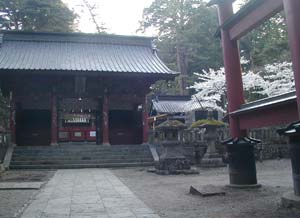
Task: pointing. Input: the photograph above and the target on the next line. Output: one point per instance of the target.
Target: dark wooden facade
(60, 106)
(48, 110)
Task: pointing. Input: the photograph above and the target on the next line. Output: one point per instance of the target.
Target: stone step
(80, 158)
(93, 147)
(81, 154)
(79, 166)
(69, 156)
(37, 162)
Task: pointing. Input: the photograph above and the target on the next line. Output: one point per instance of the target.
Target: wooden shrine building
(71, 87)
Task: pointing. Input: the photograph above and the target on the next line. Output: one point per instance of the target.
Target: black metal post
(241, 161)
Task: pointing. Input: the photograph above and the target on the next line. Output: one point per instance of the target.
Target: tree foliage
(92, 9)
(186, 40)
(273, 79)
(36, 15)
(268, 43)
(188, 24)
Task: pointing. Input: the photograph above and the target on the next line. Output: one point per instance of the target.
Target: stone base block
(290, 200)
(244, 186)
(212, 162)
(176, 172)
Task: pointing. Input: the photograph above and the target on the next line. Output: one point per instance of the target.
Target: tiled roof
(175, 104)
(79, 52)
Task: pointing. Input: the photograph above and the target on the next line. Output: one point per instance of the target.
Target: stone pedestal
(211, 158)
(172, 159)
(241, 161)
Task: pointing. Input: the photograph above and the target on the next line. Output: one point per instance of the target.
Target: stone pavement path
(86, 193)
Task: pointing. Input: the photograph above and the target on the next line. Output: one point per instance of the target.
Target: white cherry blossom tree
(274, 79)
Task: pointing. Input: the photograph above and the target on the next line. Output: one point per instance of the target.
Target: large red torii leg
(292, 9)
(145, 121)
(105, 126)
(242, 169)
(54, 128)
(12, 120)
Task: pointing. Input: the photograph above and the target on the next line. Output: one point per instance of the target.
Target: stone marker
(207, 191)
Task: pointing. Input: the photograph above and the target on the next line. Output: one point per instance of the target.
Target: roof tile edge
(77, 38)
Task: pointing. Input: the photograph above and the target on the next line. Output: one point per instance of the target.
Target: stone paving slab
(87, 193)
(20, 185)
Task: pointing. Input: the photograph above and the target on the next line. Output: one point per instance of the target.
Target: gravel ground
(168, 195)
(12, 202)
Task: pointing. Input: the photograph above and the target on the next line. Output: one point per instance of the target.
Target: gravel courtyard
(168, 195)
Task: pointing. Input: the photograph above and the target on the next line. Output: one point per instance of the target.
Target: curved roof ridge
(77, 38)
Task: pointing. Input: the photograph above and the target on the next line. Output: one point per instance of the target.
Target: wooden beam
(255, 16)
(275, 115)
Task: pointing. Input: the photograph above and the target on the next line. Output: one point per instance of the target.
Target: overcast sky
(119, 16)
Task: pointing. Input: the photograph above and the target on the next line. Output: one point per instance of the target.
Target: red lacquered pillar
(292, 9)
(145, 122)
(240, 149)
(12, 120)
(233, 71)
(54, 129)
(105, 125)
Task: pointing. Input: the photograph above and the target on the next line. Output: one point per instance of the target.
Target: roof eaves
(77, 38)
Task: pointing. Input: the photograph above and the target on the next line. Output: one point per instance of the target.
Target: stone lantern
(172, 159)
(211, 158)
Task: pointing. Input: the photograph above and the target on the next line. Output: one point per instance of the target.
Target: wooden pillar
(54, 128)
(105, 126)
(240, 149)
(292, 9)
(145, 122)
(233, 71)
(12, 119)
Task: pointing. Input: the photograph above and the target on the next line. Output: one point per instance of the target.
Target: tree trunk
(182, 66)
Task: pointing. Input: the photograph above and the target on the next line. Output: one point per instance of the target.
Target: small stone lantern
(211, 157)
(172, 159)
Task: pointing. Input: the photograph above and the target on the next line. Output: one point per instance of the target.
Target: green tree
(186, 35)
(36, 15)
(268, 43)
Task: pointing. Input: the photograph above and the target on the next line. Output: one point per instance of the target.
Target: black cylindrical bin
(241, 161)
(295, 158)
(293, 132)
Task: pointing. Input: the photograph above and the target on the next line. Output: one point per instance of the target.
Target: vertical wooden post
(292, 8)
(54, 129)
(241, 160)
(231, 56)
(12, 119)
(145, 122)
(105, 112)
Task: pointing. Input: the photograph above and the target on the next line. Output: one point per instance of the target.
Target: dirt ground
(26, 176)
(169, 195)
(12, 202)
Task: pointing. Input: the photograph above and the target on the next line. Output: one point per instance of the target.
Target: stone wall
(272, 146)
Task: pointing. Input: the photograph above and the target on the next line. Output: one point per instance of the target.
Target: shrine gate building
(73, 87)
